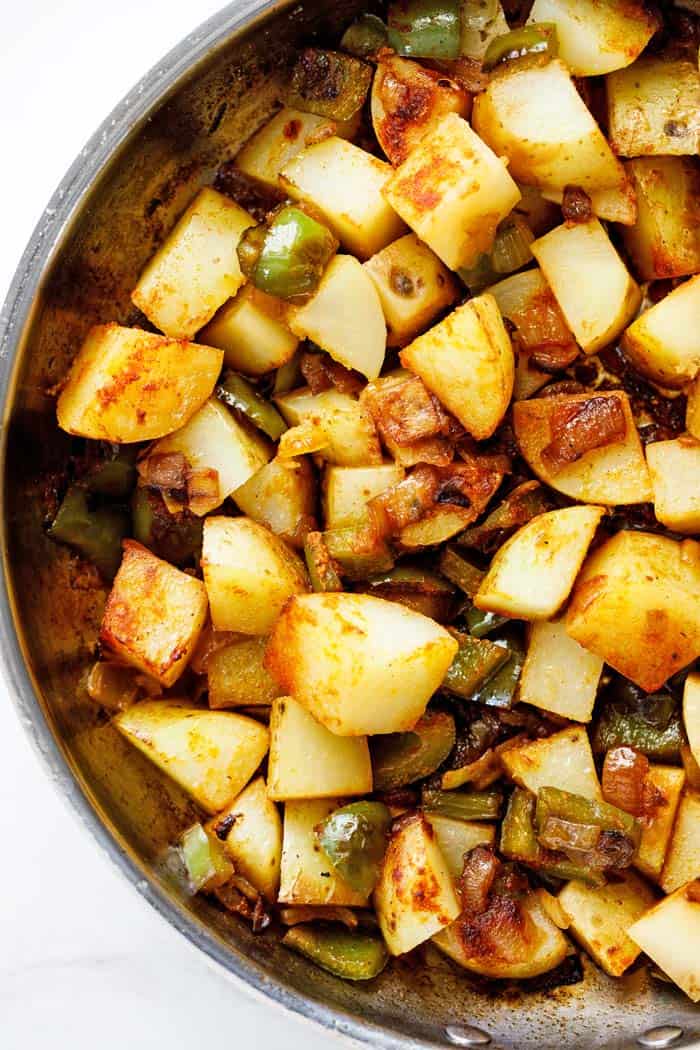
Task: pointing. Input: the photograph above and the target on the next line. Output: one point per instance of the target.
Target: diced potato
(154, 614)
(477, 33)
(359, 664)
(665, 240)
(249, 574)
(467, 361)
(282, 138)
(563, 761)
(196, 270)
(347, 490)
(592, 285)
(211, 754)
(307, 875)
(345, 317)
(544, 947)
(352, 439)
(664, 342)
(345, 183)
(532, 574)
(129, 385)
(691, 713)
(251, 330)
(692, 413)
(683, 856)
(618, 204)
(214, 439)
(657, 831)
(611, 475)
(654, 108)
(237, 677)
(308, 761)
(559, 675)
(415, 896)
(597, 38)
(413, 287)
(438, 525)
(457, 837)
(453, 191)
(282, 496)
(600, 917)
(535, 117)
(255, 839)
(670, 935)
(635, 605)
(407, 101)
(675, 476)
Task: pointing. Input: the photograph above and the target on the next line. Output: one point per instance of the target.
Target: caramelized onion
(692, 891)
(479, 870)
(624, 773)
(405, 412)
(165, 471)
(581, 426)
(576, 205)
(406, 502)
(558, 834)
(321, 373)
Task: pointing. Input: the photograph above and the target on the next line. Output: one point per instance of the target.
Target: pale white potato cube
(196, 270)
(347, 491)
(345, 317)
(211, 754)
(345, 183)
(563, 761)
(532, 574)
(683, 856)
(592, 285)
(453, 191)
(249, 574)
(251, 331)
(307, 875)
(654, 108)
(600, 917)
(457, 837)
(467, 361)
(675, 476)
(559, 675)
(669, 934)
(282, 496)
(308, 761)
(129, 385)
(691, 713)
(351, 437)
(359, 664)
(658, 828)
(664, 342)
(415, 896)
(255, 839)
(597, 37)
(154, 614)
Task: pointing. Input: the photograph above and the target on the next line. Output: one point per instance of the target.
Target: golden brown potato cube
(251, 331)
(413, 286)
(598, 37)
(683, 856)
(658, 828)
(559, 675)
(654, 108)
(670, 935)
(348, 490)
(237, 677)
(664, 342)
(282, 496)
(196, 270)
(665, 239)
(130, 385)
(307, 876)
(453, 191)
(635, 604)
(154, 614)
(563, 761)
(675, 475)
(255, 839)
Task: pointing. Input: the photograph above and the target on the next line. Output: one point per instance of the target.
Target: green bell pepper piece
(116, 475)
(322, 572)
(425, 28)
(291, 257)
(463, 805)
(476, 661)
(460, 571)
(365, 37)
(499, 690)
(328, 83)
(359, 551)
(354, 839)
(238, 393)
(350, 955)
(204, 859)
(653, 727)
(95, 534)
(538, 40)
(402, 758)
(481, 623)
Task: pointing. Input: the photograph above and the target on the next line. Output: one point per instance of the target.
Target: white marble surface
(84, 962)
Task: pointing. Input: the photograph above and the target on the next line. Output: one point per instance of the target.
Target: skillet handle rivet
(467, 1035)
(658, 1038)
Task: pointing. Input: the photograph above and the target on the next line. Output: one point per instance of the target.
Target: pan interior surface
(123, 195)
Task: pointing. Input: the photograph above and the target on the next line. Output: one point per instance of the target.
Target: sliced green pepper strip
(288, 376)
(116, 475)
(481, 623)
(95, 534)
(553, 802)
(359, 551)
(322, 572)
(460, 571)
(204, 859)
(463, 805)
(476, 661)
(293, 256)
(499, 690)
(328, 83)
(365, 37)
(351, 955)
(412, 578)
(538, 40)
(354, 838)
(402, 758)
(425, 28)
(176, 538)
(660, 739)
(480, 275)
(238, 393)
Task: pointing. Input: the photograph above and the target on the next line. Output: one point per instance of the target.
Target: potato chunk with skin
(535, 117)
(129, 385)
(359, 664)
(154, 614)
(281, 496)
(345, 184)
(592, 285)
(611, 475)
(600, 917)
(675, 475)
(635, 605)
(691, 713)
(196, 270)
(307, 875)
(308, 761)
(255, 839)
(683, 857)
(413, 287)
(669, 934)
(467, 361)
(654, 108)
(664, 342)
(665, 239)
(532, 574)
(251, 331)
(453, 191)
(211, 754)
(563, 761)
(415, 896)
(249, 574)
(559, 675)
(347, 491)
(352, 439)
(658, 828)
